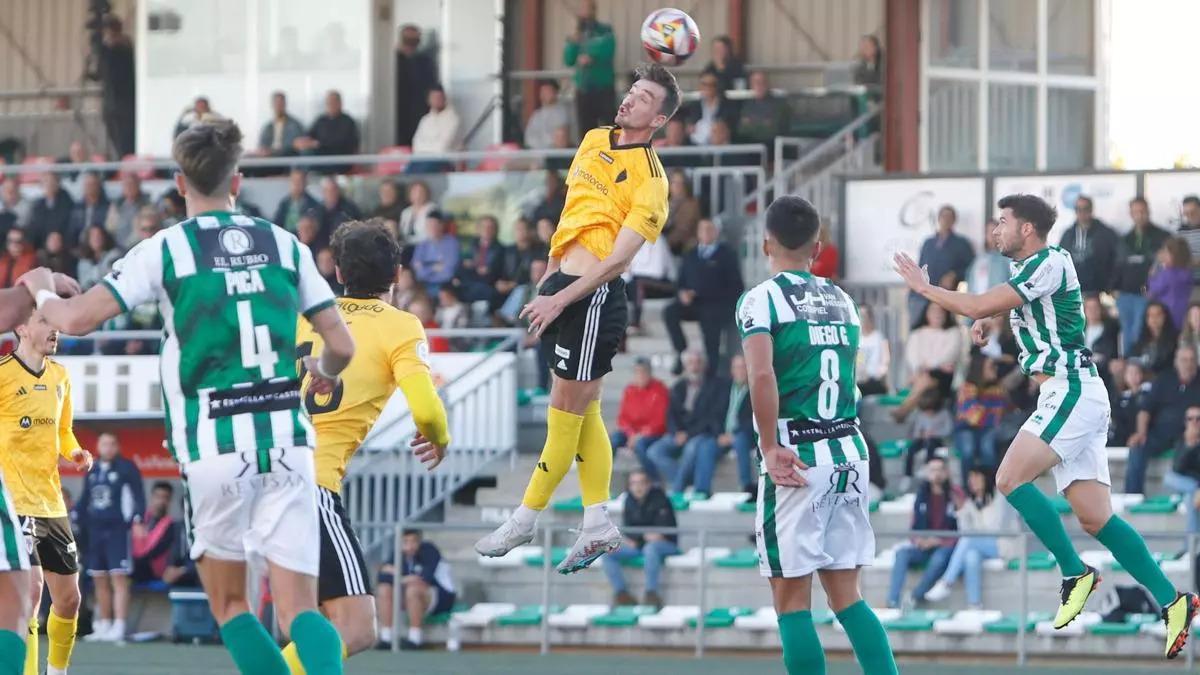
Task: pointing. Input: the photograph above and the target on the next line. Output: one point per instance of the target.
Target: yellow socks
(31, 647)
(292, 657)
(60, 636)
(595, 457)
(562, 440)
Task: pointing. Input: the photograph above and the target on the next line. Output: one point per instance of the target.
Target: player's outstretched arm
(81, 314)
(433, 428)
(989, 303)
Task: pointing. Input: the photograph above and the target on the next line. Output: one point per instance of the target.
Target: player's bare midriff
(577, 260)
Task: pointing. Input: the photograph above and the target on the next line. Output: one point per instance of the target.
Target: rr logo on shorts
(843, 478)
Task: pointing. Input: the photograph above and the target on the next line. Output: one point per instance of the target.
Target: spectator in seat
(412, 218)
(651, 274)
(422, 308)
(552, 204)
(426, 584)
(710, 281)
(278, 136)
(390, 207)
(416, 74)
(435, 260)
(1171, 280)
(152, 549)
(868, 66)
(1160, 422)
(406, 290)
(934, 350)
(935, 509)
(827, 260)
(1136, 253)
(725, 65)
(308, 231)
(56, 256)
(200, 111)
(931, 428)
(1093, 247)
(96, 256)
(590, 50)
(51, 212)
(1184, 476)
(874, 360)
(326, 265)
(122, 211)
(642, 418)
(437, 133)
(989, 269)
(738, 430)
(763, 117)
(1189, 228)
(91, 209)
(296, 202)
(335, 208)
(173, 207)
(1128, 400)
(1101, 332)
(562, 141)
(694, 418)
(332, 133)
(645, 506)
(683, 214)
(946, 255)
(675, 135)
(545, 230)
(515, 283)
(14, 208)
(110, 510)
(703, 114)
(549, 116)
(115, 72)
(19, 257)
(452, 312)
(982, 402)
(980, 511)
(1156, 346)
(483, 265)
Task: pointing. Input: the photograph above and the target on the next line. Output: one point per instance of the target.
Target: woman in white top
(874, 356)
(412, 218)
(935, 350)
(980, 512)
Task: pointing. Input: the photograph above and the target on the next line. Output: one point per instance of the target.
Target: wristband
(320, 369)
(44, 295)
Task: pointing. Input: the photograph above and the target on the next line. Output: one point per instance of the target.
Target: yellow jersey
(35, 430)
(610, 186)
(389, 345)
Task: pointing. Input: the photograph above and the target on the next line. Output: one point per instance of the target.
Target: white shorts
(1072, 417)
(244, 506)
(825, 525)
(14, 554)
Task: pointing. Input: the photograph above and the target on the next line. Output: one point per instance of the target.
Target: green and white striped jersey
(814, 327)
(229, 288)
(1049, 327)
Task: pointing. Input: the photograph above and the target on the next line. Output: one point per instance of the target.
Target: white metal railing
(385, 484)
(816, 158)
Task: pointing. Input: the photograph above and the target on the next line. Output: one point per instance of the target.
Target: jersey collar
(37, 374)
(613, 145)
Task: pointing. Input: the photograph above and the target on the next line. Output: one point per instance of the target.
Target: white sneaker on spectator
(591, 544)
(100, 629)
(117, 632)
(503, 539)
(939, 592)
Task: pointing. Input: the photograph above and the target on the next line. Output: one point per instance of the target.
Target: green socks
(1130, 550)
(318, 643)
(802, 652)
(12, 653)
(1040, 516)
(252, 649)
(869, 639)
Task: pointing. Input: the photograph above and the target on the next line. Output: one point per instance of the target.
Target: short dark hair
(1192, 199)
(1087, 199)
(658, 74)
(793, 222)
(1031, 209)
(412, 532)
(367, 255)
(208, 154)
(1139, 200)
(163, 485)
(438, 87)
(553, 84)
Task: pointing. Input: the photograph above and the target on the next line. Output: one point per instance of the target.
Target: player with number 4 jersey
(229, 288)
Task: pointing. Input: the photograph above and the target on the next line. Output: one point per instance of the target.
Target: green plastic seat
(822, 617)
(874, 508)
(1010, 623)
(572, 505)
(624, 616)
(893, 448)
(721, 617)
(892, 400)
(1114, 629)
(635, 561)
(444, 617)
(748, 507)
(741, 558)
(919, 621)
(1158, 504)
(526, 615)
(1038, 562)
(557, 555)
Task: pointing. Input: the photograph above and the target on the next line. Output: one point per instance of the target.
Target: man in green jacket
(590, 50)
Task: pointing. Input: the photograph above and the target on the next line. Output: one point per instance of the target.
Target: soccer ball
(670, 36)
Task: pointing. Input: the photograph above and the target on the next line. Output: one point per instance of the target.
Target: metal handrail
(686, 71)
(810, 157)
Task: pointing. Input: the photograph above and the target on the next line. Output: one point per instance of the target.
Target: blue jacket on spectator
(429, 565)
(113, 495)
(714, 275)
(436, 261)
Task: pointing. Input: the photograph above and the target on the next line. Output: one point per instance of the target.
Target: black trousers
(120, 124)
(594, 108)
(714, 318)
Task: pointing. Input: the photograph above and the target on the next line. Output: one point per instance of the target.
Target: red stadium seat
(139, 165)
(497, 162)
(396, 167)
(33, 175)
